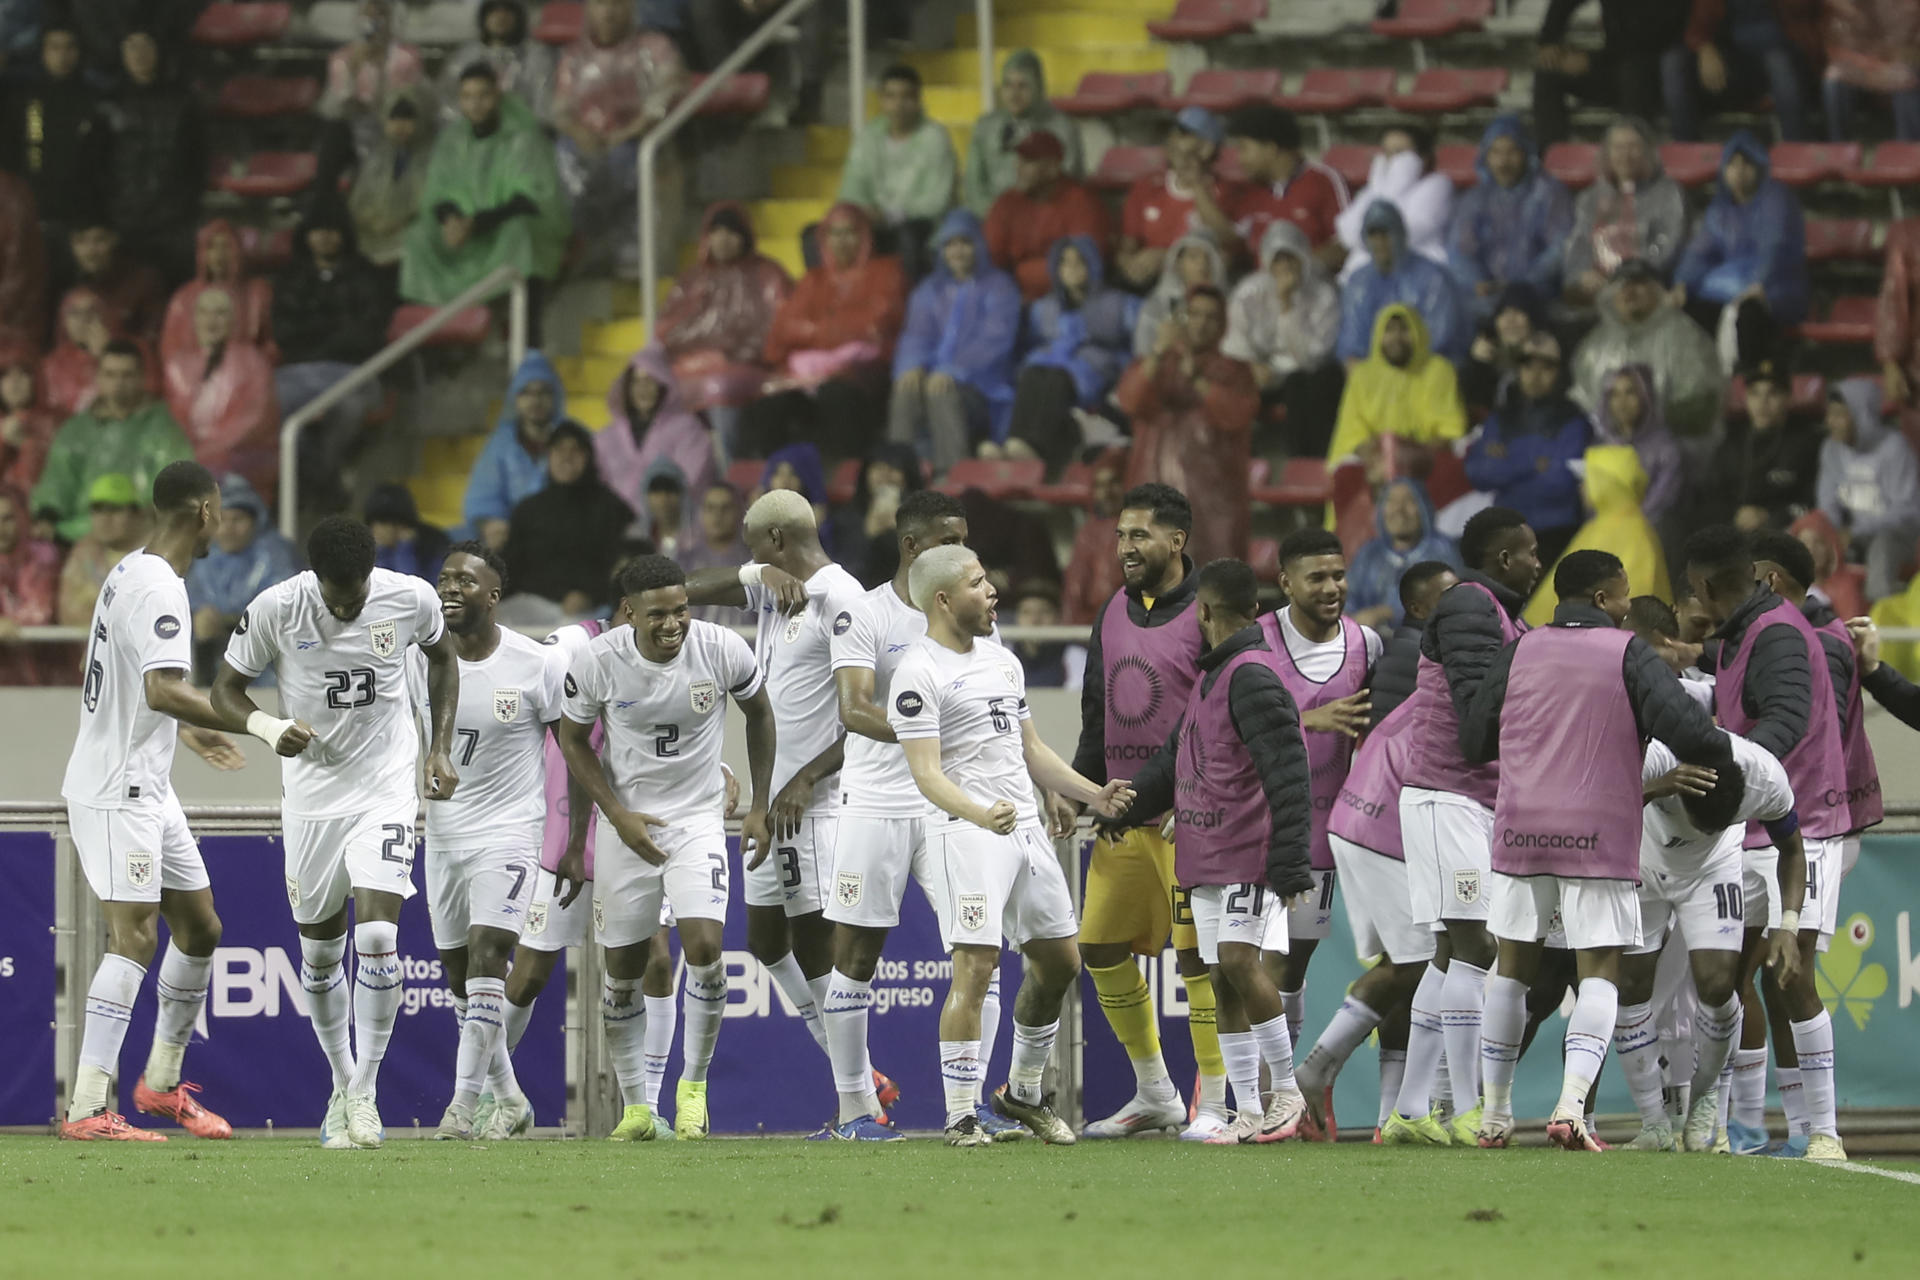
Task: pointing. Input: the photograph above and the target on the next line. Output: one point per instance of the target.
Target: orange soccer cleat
(107, 1126)
(178, 1105)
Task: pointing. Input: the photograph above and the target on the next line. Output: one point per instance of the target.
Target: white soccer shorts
(873, 857)
(1311, 918)
(132, 853)
(491, 887)
(628, 891)
(1708, 907)
(1449, 846)
(329, 858)
(797, 873)
(1825, 859)
(1595, 913)
(1237, 913)
(550, 926)
(1760, 883)
(994, 885)
(1374, 888)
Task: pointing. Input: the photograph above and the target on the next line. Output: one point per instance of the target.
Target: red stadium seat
(1264, 555)
(258, 97)
(1892, 164)
(1455, 159)
(1351, 161)
(1573, 163)
(1303, 483)
(468, 328)
(1835, 239)
(266, 174)
(1691, 164)
(744, 474)
(1225, 89)
(560, 23)
(235, 26)
(1848, 323)
(744, 94)
(1209, 20)
(844, 481)
(1074, 488)
(1806, 164)
(1005, 478)
(1333, 90)
(1121, 167)
(1443, 89)
(1108, 92)
(1431, 19)
(1809, 394)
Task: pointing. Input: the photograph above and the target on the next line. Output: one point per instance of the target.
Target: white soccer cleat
(1205, 1127)
(333, 1129)
(454, 1127)
(1244, 1126)
(1653, 1137)
(364, 1129)
(1283, 1118)
(1822, 1147)
(1569, 1133)
(1702, 1131)
(510, 1118)
(1141, 1115)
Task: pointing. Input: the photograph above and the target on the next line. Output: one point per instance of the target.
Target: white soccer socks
(1749, 1107)
(323, 977)
(1425, 1041)
(1813, 1042)
(623, 1012)
(1274, 1041)
(1462, 1000)
(110, 997)
(1032, 1046)
(663, 1019)
(989, 1022)
(1713, 1031)
(376, 998)
(843, 1016)
(1352, 1023)
(1503, 1025)
(1637, 1042)
(182, 991)
(1242, 1055)
(1295, 1004)
(705, 997)
(481, 1030)
(1596, 1010)
(960, 1077)
(1393, 1070)
(793, 984)
(501, 1080)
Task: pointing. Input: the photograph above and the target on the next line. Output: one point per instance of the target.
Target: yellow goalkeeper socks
(1201, 1025)
(1128, 1003)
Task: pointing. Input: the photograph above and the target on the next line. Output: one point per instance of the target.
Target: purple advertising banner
(254, 1053)
(27, 978)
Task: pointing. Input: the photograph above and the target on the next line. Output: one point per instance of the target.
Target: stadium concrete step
(440, 486)
(777, 220)
(1038, 28)
(1144, 9)
(806, 181)
(1065, 64)
(589, 375)
(619, 338)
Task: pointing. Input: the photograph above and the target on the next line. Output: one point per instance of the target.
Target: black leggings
(842, 417)
(1043, 404)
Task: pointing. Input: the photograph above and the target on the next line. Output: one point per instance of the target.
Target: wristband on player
(1790, 921)
(268, 729)
(751, 574)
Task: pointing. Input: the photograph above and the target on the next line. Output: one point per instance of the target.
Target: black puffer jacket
(339, 314)
(1630, 26)
(1463, 635)
(159, 158)
(1268, 723)
(1661, 708)
(1397, 671)
(1778, 692)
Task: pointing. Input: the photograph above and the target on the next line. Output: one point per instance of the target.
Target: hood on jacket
(1522, 297)
(652, 361)
(534, 367)
(1742, 143)
(1027, 61)
(1171, 287)
(328, 211)
(1506, 126)
(663, 468)
(75, 298)
(1649, 166)
(846, 212)
(736, 216)
(1862, 398)
(805, 460)
(237, 495)
(1615, 482)
(1285, 236)
(18, 353)
(387, 504)
(1419, 495)
(1422, 343)
(219, 228)
(1654, 424)
(1383, 215)
(568, 429)
(960, 223)
(519, 11)
(1089, 253)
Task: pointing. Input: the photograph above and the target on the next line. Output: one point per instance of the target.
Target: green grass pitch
(781, 1208)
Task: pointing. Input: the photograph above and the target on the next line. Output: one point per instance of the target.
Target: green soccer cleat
(690, 1111)
(636, 1125)
(1703, 1123)
(1422, 1131)
(1654, 1137)
(1465, 1129)
(483, 1115)
(1821, 1147)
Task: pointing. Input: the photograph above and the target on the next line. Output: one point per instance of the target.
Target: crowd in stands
(1569, 355)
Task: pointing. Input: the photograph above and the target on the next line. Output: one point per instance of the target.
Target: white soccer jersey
(875, 633)
(665, 721)
(347, 681)
(974, 703)
(499, 743)
(796, 664)
(141, 623)
(1671, 845)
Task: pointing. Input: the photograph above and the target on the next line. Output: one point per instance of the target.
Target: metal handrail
(983, 32)
(1061, 633)
(482, 290)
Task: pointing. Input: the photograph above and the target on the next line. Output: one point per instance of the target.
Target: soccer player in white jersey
(660, 687)
(795, 591)
(483, 845)
(338, 637)
(959, 708)
(132, 840)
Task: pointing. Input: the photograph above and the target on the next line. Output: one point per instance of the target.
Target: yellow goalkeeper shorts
(1131, 896)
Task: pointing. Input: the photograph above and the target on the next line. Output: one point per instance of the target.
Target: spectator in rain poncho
(1526, 454)
(1403, 389)
(1079, 337)
(1396, 274)
(1402, 175)
(646, 420)
(1629, 413)
(1869, 486)
(1639, 325)
(219, 262)
(1405, 536)
(1511, 226)
(220, 391)
(1873, 46)
(1022, 107)
(1613, 487)
(387, 187)
(1283, 320)
(514, 463)
(1194, 260)
(1633, 211)
(27, 423)
(525, 66)
(1749, 252)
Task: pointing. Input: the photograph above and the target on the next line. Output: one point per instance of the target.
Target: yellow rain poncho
(1614, 485)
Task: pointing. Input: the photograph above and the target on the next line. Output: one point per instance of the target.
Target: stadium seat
(1809, 394)
(744, 94)
(1224, 89)
(1351, 161)
(1209, 20)
(1447, 482)
(1333, 90)
(1573, 163)
(1849, 322)
(1431, 19)
(1443, 89)
(744, 474)
(1303, 483)
(1264, 555)
(235, 26)
(266, 251)
(1121, 167)
(1806, 164)
(845, 479)
(259, 97)
(560, 23)
(1109, 92)
(266, 174)
(1074, 488)
(1892, 164)
(1003, 478)
(1455, 159)
(1690, 164)
(467, 328)
(1836, 239)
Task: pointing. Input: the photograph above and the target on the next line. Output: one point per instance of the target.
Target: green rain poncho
(476, 175)
(89, 446)
(990, 158)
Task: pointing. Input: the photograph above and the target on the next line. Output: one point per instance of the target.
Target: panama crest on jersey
(385, 637)
(1466, 886)
(795, 624)
(705, 696)
(506, 705)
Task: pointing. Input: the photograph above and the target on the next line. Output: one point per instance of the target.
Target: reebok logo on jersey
(842, 623)
(166, 626)
(896, 648)
(624, 703)
(909, 703)
(304, 645)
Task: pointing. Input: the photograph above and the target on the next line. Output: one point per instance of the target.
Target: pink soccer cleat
(108, 1126)
(1569, 1133)
(178, 1105)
